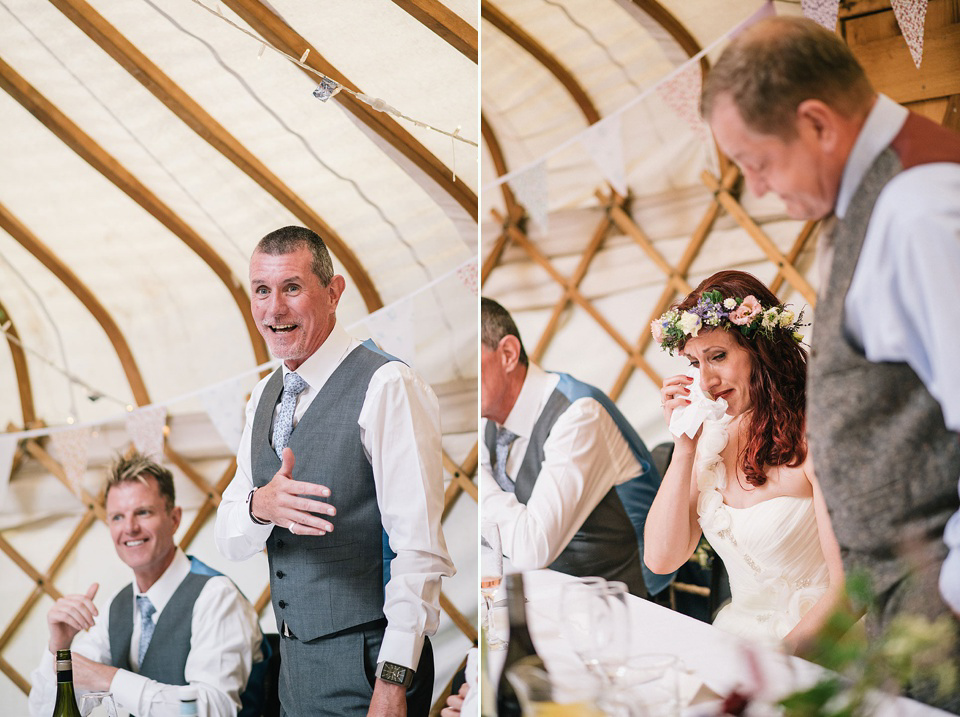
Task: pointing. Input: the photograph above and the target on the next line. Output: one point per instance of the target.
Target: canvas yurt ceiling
(612, 206)
(146, 147)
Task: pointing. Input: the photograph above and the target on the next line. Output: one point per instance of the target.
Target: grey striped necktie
(505, 439)
(146, 610)
(293, 386)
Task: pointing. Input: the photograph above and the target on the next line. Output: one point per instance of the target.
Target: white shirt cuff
(403, 648)
(127, 688)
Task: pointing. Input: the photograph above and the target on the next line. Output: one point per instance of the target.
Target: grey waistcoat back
(322, 585)
(169, 647)
(886, 461)
(605, 544)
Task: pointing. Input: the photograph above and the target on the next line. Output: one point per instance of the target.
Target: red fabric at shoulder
(923, 141)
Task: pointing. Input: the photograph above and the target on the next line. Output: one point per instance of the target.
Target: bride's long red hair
(778, 382)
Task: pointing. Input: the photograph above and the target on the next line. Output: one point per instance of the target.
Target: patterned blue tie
(293, 386)
(505, 439)
(146, 610)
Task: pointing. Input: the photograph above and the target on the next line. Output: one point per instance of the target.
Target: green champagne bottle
(519, 648)
(66, 705)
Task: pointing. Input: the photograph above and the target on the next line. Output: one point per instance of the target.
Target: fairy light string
(374, 102)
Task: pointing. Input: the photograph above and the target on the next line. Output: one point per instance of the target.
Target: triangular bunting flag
(910, 16)
(71, 449)
(681, 93)
(531, 190)
(8, 447)
(604, 143)
(224, 404)
(468, 276)
(822, 12)
(393, 330)
(145, 428)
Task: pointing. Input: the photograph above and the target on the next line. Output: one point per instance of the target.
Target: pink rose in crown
(746, 312)
(656, 328)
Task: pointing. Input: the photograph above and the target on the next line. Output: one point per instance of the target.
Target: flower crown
(712, 310)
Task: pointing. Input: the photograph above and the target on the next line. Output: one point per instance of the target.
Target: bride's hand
(674, 394)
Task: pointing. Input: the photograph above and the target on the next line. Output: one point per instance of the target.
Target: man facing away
(339, 475)
(789, 103)
(176, 624)
(564, 476)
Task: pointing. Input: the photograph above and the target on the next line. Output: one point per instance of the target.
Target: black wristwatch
(397, 674)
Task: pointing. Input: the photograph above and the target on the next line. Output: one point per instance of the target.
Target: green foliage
(913, 650)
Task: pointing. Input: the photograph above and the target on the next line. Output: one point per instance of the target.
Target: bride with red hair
(746, 481)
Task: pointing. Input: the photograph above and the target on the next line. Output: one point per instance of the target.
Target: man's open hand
(290, 503)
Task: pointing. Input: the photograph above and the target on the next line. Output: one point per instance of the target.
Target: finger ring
(292, 523)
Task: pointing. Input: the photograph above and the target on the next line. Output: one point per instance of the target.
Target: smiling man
(339, 475)
(788, 102)
(177, 623)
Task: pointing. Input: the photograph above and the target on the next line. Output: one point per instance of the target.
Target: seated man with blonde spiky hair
(178, 623)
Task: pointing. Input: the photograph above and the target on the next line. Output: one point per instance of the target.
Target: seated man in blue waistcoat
(340, 477)
(178, 623)
(563, 474)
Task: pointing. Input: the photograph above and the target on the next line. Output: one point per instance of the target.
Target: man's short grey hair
(495, 323)
(137, 467)
(774, 65)
(289, 239)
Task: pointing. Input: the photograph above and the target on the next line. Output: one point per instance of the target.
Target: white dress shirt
(400, 432)
(585, 456)
(903, 299)
(224, 642)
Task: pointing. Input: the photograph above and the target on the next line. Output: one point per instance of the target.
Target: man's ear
(176, 514)
(509, 349)
(336, 288)
(820, 121)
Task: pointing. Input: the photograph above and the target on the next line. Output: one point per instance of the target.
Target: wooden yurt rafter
(98, 158)
(447, 25)
(148, 74)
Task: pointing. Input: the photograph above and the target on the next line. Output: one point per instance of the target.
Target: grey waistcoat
(887, 463)
(169, 647)
(605, 544)
(322, 585)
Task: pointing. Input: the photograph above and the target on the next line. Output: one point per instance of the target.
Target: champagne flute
(612, 627)
(597, 625)
(491, 573)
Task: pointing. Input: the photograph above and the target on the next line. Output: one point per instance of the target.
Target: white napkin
(688, 419)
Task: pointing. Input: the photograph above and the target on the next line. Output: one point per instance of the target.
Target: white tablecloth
(715, 658)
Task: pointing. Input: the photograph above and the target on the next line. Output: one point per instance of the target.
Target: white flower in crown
(729, 304)
(786, 318)
(771, 318)
(690, 323)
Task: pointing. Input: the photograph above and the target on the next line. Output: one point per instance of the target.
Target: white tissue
(688, 419)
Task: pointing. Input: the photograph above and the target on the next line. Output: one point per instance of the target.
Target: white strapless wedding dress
(771, 550)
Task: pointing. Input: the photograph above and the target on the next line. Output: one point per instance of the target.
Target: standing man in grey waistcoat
(179, 622)
(791, 106)
(563, 474)
(339, 476)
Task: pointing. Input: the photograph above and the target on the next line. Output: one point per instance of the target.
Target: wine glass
(578, 601)
(91, 700)
(597, 625)
(491, 573)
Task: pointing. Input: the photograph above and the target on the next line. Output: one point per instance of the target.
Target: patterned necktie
(293, 385)
(146, 610)
(505, 439)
